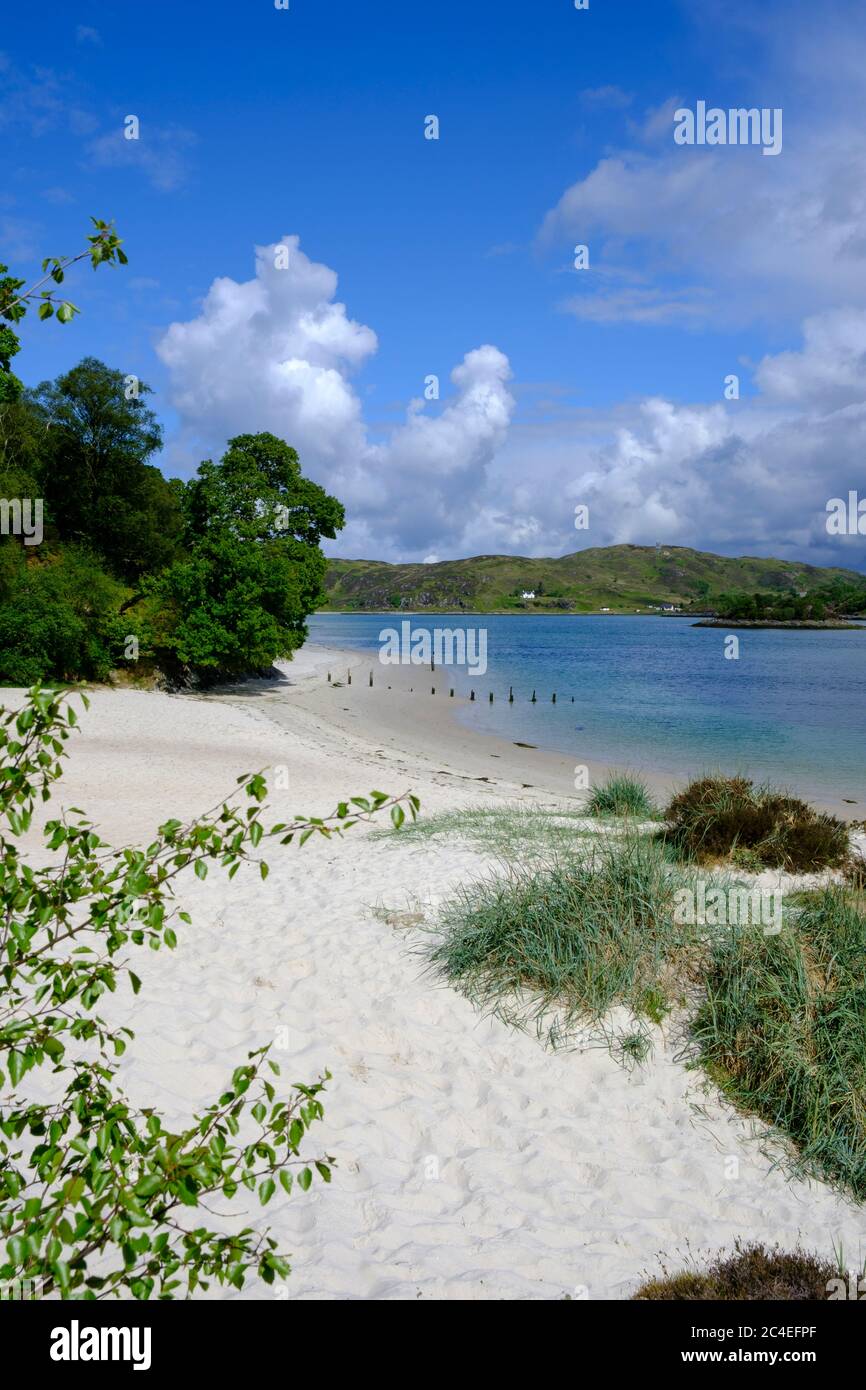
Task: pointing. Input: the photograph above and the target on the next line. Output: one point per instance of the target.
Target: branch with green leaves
(95, 1196)
(104, 246)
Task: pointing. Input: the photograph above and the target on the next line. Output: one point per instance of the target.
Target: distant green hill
(622, 578)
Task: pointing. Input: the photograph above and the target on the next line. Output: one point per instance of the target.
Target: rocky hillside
(622, 578)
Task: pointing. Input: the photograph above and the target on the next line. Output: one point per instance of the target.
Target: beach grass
(509, 831)
(621, 794)
(556, 948)
(782, 1032)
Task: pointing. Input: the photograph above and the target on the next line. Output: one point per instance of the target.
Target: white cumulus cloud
(278, 353)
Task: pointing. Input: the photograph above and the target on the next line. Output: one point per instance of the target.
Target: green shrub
(718, 816)
(58, 617)
(753, 1272)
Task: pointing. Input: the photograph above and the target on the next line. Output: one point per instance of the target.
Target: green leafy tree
(253, 570)
(98, 486)
(22, 436)
(98, 1198)
(10, 386)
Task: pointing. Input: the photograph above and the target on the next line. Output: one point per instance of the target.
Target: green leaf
(74, 1189)
(148, 1186)
(17, 1248)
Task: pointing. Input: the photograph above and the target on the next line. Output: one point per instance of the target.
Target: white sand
(471, 1162)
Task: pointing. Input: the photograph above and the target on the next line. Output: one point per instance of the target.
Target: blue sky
(602, 386)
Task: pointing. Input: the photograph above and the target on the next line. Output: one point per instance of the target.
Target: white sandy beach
(471, 1163)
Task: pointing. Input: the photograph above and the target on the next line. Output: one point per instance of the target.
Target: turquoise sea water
(658, 693)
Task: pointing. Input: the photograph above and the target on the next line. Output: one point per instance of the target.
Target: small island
(833, 607)
(819, 625)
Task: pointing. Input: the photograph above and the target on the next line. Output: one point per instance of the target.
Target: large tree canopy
(253, 569)
(99, 488)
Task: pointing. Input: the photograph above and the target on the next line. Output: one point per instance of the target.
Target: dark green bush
(714, 816)
(753, 1272)
(58, 617)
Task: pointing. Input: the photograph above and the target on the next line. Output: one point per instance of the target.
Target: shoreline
(399, 718)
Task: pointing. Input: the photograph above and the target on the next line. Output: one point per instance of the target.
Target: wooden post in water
(451, 694)
(553, 698)
(511, 695)
(348, 677)
(472, 694)
(532, 701)
(329, 678)
(371, 680)
(432, 690)
(491, 697)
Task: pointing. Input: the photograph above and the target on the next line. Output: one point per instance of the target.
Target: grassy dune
(775, 1017)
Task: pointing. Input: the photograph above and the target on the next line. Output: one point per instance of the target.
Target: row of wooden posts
(533, 701)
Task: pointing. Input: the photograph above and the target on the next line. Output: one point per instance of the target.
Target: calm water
(657, 693)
